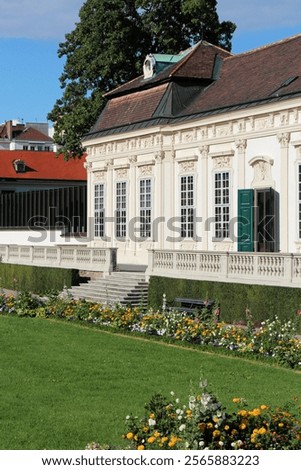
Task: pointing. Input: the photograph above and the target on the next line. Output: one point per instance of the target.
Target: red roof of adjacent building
(41, 166)
(33, 135)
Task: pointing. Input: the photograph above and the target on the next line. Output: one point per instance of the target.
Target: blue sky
(31, 30)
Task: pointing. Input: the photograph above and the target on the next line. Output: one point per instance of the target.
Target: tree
(108, 46)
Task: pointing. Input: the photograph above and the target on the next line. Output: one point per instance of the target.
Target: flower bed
(204, 424)
(273, 339)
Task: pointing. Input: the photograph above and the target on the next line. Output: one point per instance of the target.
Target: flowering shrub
(203, 423)
(273, 339)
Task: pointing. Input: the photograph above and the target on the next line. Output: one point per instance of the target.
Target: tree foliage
(107, 48)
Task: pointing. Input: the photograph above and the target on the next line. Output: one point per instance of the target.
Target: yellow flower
(173, 441)
(129, 435)
(242, 426)
(141, 447)
(209, 425)
(236, 400)
(263, 407)
(242, 413)
(255, 412)
(157, 434)
(151, 439)
(152, 416)
(262, 430)
(226, 428)
(280, 425)
(164, 439)
(216, 433)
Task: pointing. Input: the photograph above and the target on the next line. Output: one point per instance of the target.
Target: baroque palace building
(201, 153)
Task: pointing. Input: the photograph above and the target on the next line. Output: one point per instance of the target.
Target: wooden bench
(192, 307)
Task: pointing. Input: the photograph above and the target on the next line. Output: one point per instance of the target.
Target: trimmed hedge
(36, 279)
(263, 301)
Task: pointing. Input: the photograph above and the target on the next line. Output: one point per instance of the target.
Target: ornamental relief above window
(187, 167)
(99, 175)
(146, 170)
(222, 162)
(262, 167)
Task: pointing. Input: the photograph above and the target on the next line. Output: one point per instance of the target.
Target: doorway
(258, 220)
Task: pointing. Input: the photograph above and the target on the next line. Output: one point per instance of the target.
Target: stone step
(126, 288)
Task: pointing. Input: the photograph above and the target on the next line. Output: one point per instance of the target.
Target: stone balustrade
(71, 257)
(246, 268)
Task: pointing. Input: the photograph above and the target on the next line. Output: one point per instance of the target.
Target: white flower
(151, 422)
(192, 402)
(182, 427)
(201, 443)
(221, 443)
(172, 393)
(177, 400)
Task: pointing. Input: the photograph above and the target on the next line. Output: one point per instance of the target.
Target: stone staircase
(126, 288)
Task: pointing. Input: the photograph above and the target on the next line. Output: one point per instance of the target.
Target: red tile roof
(33, 135)
(41, 166)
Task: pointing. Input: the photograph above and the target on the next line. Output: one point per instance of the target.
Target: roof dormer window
(149, 66)
(19, 166)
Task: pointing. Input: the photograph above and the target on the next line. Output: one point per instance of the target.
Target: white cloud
(38, 19)
(256, 15)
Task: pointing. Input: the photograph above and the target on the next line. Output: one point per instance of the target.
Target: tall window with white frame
(99, 210)
(299, 191)
(121, 209)
(222, 204)
(187, 206)
(145, 207)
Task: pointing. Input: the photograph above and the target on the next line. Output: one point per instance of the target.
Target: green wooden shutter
(245, 220)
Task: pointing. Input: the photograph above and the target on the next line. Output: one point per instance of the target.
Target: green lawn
(63, 385)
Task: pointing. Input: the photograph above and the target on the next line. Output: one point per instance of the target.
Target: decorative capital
(133, 159)
(159, 156)
(204, 150)
(109, 163)
(241, 145)
(88, 166)
(284, 139)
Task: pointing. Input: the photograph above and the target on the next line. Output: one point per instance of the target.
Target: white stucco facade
(256, 147)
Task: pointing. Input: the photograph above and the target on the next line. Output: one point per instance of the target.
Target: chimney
(9, 129)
